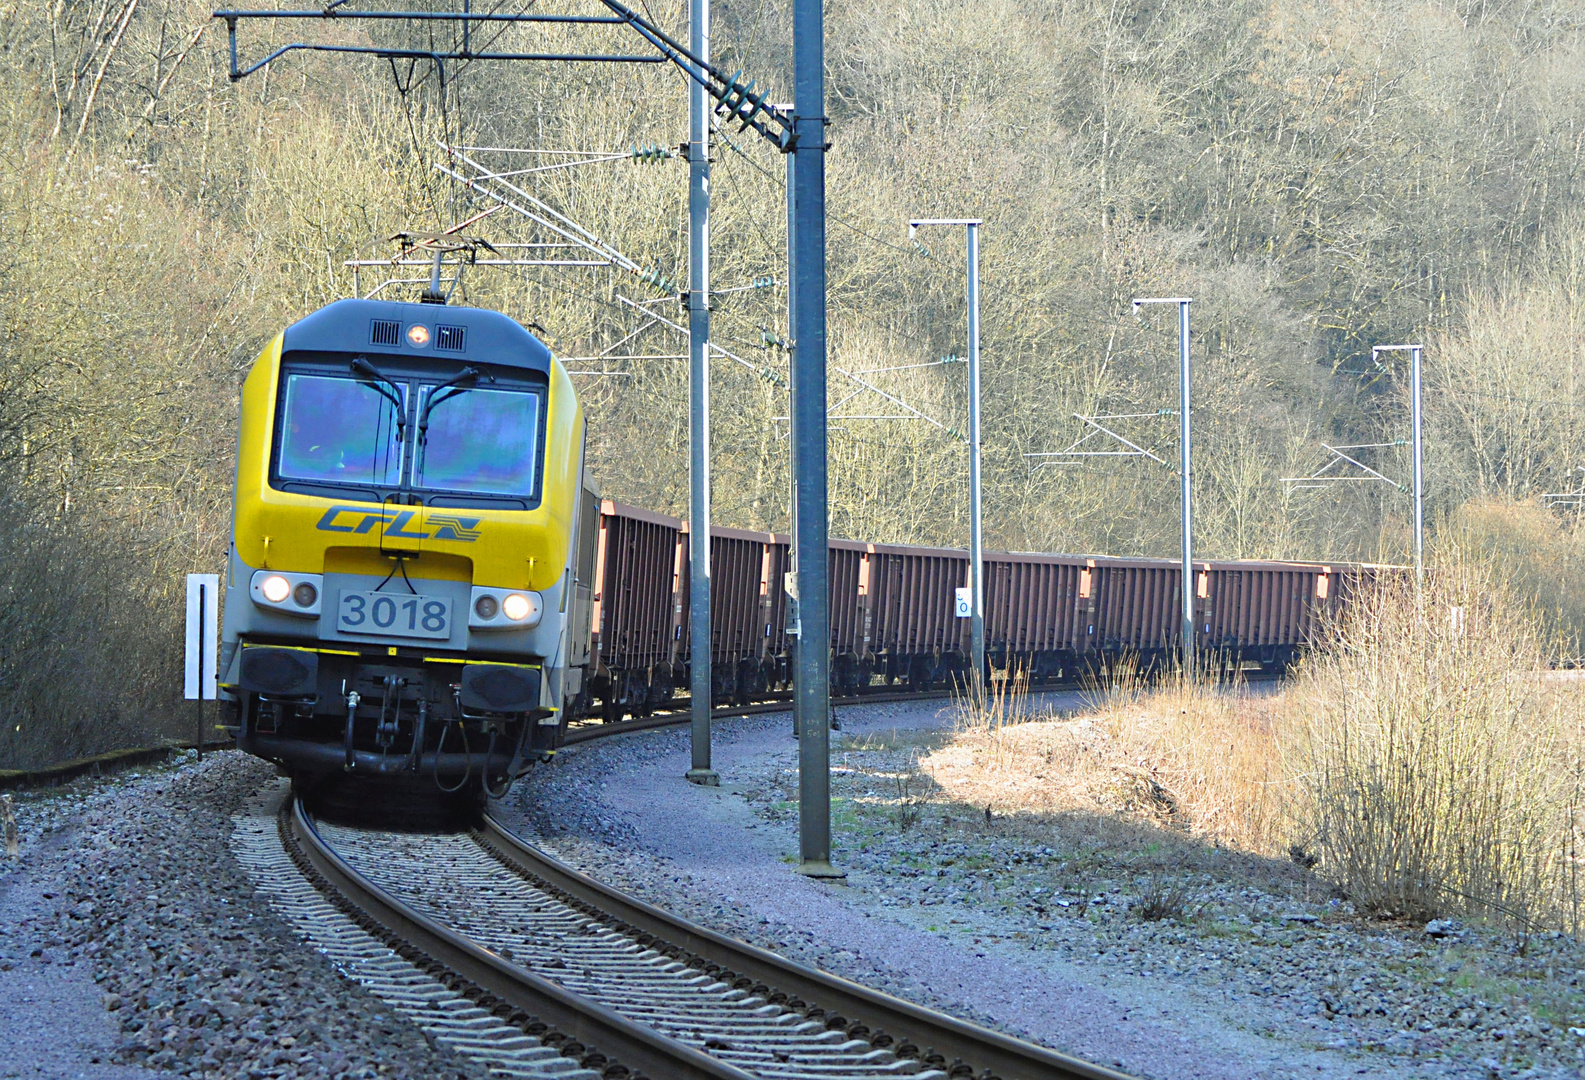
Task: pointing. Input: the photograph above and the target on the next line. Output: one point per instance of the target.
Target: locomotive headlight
(287, 593)
(504, 609)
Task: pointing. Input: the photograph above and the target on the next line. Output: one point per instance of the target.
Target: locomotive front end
(402, 592)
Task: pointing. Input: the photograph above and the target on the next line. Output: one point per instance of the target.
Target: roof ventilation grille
(451, 338)
(385, 332)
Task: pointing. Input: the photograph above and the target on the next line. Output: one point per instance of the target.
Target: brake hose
(467, 755)
(522, 735)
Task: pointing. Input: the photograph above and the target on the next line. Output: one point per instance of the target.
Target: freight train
(1055, 618)
(423, 587)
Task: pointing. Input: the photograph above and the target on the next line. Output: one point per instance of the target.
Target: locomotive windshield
(340, 431)
(376, 432)
(483, 442)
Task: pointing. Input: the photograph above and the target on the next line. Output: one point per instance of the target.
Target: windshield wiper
(469, 374)
(390, 391)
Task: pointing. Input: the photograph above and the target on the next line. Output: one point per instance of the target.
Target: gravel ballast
(158, 954)
(132, 945)
(1255, 968)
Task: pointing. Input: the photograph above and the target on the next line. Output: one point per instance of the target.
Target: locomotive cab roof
(377, 327)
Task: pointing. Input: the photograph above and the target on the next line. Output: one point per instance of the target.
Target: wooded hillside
(1320, 177)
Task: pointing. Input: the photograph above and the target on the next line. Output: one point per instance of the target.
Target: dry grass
(1426, 762)
(1183, 752)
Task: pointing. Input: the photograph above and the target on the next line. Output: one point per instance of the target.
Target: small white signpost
(965, 606)
(200, 680)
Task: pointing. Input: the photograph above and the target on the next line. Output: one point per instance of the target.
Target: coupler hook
(385, 731)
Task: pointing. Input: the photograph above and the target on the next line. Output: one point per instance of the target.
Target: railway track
(502, 952)
(676, 711)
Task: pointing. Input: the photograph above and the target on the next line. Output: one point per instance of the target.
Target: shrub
(1437, 762)
(1533, 554)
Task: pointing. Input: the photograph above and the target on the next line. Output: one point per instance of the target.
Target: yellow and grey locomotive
(405, 597)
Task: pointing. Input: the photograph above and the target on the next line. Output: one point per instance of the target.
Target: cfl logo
(399, 523)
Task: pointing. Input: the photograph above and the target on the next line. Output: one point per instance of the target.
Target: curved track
(676, 712)
(575, 978)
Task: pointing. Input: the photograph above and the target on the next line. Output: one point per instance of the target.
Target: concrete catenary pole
(794, 624)
(1188, 488)
(1185, 463)
(976, 504)
(699, 398)
(1417, 445)
(1419, 466)
(976, 522)
(812, 687)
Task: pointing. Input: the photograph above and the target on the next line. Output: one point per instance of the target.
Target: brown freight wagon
(1243, 610)
(915, 634)
(1138, 608)
(632, 641)
(1262, 613)
(746, 616)
(1039, 613)
(852, 660)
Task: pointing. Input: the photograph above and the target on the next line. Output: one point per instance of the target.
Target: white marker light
(516, 607)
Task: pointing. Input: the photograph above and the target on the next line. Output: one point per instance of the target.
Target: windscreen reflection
(338, 430)
(483, 442)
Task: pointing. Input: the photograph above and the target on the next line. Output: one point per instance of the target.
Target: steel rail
(858, 1009)
(676, 712)
(593, 1030)
(641, 1049)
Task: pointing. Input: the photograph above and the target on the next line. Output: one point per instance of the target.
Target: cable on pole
(766, 374)
(1072, 454)
(1576, 499)
(1338, 456)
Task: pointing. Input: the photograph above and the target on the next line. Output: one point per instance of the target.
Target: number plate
(392, 614)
